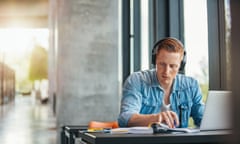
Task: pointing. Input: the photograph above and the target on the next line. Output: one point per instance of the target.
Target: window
(144, 34)
(196, 42)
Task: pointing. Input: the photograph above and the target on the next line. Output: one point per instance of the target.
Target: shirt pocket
(149, 107)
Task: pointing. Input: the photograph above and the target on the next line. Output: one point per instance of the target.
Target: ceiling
(24, 13)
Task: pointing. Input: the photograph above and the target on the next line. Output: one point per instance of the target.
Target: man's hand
(168, 117)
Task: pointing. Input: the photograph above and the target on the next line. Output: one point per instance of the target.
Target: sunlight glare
(16, 43)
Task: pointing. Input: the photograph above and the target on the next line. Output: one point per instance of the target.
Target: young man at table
(162, 94)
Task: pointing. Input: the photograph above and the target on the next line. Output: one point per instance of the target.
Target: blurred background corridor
(26, 115)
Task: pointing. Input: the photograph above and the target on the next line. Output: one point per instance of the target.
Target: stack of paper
(133, 130)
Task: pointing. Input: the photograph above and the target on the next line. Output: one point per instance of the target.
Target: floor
(27, 121)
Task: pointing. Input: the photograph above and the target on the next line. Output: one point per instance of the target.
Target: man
(161, 94)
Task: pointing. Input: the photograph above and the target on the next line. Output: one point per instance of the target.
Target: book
(185, 130)
(160, 128)
(132, 130)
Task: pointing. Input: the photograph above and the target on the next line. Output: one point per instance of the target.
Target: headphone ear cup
(154, 51)
(153, 59)
(183, 62)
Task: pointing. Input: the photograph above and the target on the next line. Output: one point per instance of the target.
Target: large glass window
(17, 47)
(144, 34)
(196, 42)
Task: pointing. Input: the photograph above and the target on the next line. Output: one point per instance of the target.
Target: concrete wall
(84, 37)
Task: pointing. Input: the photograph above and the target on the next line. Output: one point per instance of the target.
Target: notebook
(217, 114)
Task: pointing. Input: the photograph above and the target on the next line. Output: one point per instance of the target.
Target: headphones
(155, 50)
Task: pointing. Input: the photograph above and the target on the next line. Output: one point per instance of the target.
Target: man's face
(167, 65)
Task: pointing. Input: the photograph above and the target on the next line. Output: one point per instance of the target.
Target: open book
(162, 128)
(132, 130)
(155, 128)
(185, 130)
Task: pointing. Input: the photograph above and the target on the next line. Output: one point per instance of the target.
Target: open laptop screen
(217, 114)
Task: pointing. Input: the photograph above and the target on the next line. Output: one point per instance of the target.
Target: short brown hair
(170, 44)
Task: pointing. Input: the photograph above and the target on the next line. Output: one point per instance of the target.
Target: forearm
(168, 117)
(143, 120)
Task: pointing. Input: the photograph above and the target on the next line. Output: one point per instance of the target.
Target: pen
(104, 130)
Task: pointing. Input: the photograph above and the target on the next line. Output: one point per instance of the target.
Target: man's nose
(166, 69)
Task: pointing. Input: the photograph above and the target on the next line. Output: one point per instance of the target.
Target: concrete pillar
(86, 43)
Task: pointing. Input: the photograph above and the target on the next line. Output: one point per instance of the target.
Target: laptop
(217, 113)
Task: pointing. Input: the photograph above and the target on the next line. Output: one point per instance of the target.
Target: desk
(207, 137)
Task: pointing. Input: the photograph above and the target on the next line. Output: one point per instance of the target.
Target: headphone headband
(159, 42)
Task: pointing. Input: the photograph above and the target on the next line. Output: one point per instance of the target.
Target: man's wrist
(158, 117)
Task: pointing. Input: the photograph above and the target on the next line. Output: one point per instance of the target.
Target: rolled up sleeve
(131, 100)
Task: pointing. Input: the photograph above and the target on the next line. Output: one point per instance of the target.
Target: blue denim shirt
(143, 94)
